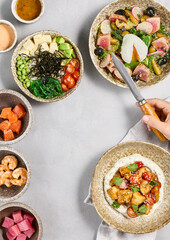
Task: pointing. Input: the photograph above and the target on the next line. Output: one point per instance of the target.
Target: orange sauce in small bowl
(28, 9)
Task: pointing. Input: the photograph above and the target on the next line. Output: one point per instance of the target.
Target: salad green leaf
(116, 34)
(150, 63)
(147, 39)
(117, 181)
(133, 167)
(128, 8)
(131, 65)
(115, 205)
(161, 31)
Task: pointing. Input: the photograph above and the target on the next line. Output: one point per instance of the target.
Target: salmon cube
(19, 111)
(29, 232)
(9, 236)
(8, 222)
(12, 117)
(17, 216)
(22, 236)
(14, 231)
(5, 125)
(24, 225)
(29, 217)
(16, 126)
(8, 135)
(5, 112)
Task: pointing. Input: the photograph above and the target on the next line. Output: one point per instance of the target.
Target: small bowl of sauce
(8, 36)
(27, 11)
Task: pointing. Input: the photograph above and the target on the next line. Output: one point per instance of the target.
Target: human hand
(162, 108)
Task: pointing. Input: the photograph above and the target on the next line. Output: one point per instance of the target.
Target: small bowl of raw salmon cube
(20, 222)
(15, 117)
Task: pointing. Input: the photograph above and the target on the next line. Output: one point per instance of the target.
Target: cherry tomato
(76, 63)
(125, 184)
(68, 80)
(64, 87)
(140, 164)
(70, 68)
(76, 75)
(147, 176)
(131, 213)
(135, 179)
(159, 183)
(150, 199)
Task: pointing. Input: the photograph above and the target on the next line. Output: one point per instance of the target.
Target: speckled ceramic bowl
(8, 209)
(153, 221)
(14, 192)
(10, 98)
(26, 91)
(104, 13)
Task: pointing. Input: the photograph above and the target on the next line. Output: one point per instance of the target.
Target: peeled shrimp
(4, 177)
(19, 176)
(10, 162)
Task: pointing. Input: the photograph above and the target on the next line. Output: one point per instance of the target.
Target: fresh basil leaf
(143, 209)
(115, 205)
(117, 181)
(133, 167)
(153, 183)
(134, 189)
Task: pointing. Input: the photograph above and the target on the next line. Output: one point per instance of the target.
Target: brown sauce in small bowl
(28, 9)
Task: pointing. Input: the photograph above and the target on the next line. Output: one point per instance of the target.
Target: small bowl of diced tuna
(19, 221)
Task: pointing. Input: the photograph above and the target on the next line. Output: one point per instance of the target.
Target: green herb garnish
(131, 65)
(115, 205)
(133, 167)
(103, 55)
(153, 183)
(117, 181)
(139, 210)
(134, 189)
(143, 209)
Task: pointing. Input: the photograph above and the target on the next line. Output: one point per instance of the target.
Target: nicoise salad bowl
(138, 33)
(131, 187)
(47, 66)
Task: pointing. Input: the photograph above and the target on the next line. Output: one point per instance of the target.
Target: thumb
(155, 123)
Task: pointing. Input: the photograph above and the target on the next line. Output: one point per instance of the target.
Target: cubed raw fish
(29, 232)
(29, 217)
(14, 231)
(24, 225)
(8, 222)
(22, 236)
(9, 236)
(17, 216)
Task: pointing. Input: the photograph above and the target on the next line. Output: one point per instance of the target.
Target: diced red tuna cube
(103, 41)
(29, 232)
(24, 225)
(22, 236)
(17, 216)
(29, 217)
(9, 236)
(14, 231)
(8, 222)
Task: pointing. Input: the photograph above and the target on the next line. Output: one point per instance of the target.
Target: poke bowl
(47, 66)
(130, 187)
(15, 174)
(15, 218)
(16, 117)
(138, 33)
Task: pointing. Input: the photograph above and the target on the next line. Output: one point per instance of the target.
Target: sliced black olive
(98, 51)
(135, 78)
(162, 60)
(120, 12)
(150, 11)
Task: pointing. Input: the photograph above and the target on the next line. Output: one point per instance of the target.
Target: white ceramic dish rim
(15, 33)
(29, 107)
(34, 213)
(28, 166)
(13, 4)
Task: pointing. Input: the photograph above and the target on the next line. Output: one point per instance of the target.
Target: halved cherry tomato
(147, 176)
(76, 75)
(68, 80)
(131, 213)
(70, 68)
(150, 199)
(125, 184)
(76, 63)
(140, 164)
(135, 179)
(159, 183)
(64, 87)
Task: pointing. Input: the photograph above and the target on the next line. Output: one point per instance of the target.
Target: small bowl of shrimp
(15, 174)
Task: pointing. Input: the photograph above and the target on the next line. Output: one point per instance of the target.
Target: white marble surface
(68, 137)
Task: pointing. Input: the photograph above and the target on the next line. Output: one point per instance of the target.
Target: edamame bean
(23, 76)
(23, 72)
(28, 70)
(22, 66)
(19, 62)
(24, 85)
(18, 58)
(18, 72)
(27, 84)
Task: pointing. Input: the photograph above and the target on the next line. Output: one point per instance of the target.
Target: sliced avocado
(68, 52)
(59, 40)
(65, 62)
(64, 46)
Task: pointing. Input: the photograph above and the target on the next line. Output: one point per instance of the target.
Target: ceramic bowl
(8, 209)
(15, 33)
(26, 91)
(103, 14)
(14, 192)
(151, 222)
(10, 98)
(13, 9)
